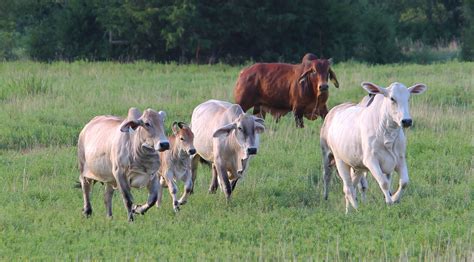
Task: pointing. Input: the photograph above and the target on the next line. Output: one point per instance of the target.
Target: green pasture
(277, 212)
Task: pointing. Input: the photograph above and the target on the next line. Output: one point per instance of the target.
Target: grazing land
(277, 211)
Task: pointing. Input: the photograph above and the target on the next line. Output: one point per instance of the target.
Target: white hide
(369, 138)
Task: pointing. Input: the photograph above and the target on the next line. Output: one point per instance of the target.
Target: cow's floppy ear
(259, 128)
(417, 89)
(225, 130)
(304, 74)
(332, 77)
(372, 88)
(133, 124)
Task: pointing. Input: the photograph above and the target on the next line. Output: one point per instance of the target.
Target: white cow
(369, 138)
(122, 153)
(225, 136)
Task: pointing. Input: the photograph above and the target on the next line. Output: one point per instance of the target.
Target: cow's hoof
(87, 212)
(395, 201)
(137, 209)
(176, 209)
(182, 202)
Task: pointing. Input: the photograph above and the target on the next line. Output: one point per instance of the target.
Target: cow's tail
(81, 159)
(81, 155)
(328, 163)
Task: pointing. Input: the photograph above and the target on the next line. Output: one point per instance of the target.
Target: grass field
(277, 211)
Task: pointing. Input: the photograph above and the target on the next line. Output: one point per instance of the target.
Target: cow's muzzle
(406, 122)
(252, 151)
(163, 146)
(323, 87)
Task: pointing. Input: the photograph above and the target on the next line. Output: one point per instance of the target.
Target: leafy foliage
(208, 31)
(468, 33)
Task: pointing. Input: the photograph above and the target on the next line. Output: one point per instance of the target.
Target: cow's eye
(393, 99)
(240, 128)
(182, 138)
(147, 124)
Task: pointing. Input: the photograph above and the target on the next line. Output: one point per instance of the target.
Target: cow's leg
(108, 194)
(299, 117)
(323, 111)
(213, 185)
(153, 188)
(327, 158)
(277, 118)
(173, 189)
(188, 184)
(86, 185)
(223, 179)
(381, 178)
(349, 191)
(124, 188)
(258, 111)
(194, 167)
(402, 170)
(160, 191)
(233, 183)
(363, 185)
(355, 177)
(247, 103)
(389, 178)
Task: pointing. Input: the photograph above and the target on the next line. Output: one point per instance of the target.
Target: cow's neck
(141, 157)
(179, 157)
(388, 129)
(237, 150)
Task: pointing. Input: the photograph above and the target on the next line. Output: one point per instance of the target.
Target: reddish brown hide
(279, 88)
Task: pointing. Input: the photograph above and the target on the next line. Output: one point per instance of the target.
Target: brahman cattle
(369, 138)
(122, 154)
(226, 137)
(176, 164)
(279, 88)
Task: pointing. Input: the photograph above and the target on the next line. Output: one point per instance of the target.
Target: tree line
(233, 31)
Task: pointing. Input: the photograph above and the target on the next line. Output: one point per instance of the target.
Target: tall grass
(277, 211)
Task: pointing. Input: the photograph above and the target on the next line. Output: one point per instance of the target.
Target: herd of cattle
(356, 138)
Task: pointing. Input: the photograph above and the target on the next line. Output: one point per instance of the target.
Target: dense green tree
(468, 33)
(231, 31)
(377, 36)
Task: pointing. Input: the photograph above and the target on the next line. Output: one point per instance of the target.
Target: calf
(360, 137)
(122, 154)
(226, 137)
(176, 164)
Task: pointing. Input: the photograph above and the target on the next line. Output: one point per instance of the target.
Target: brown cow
(279, 88)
